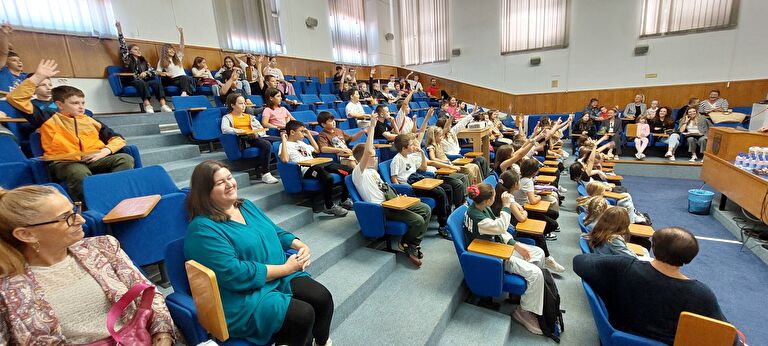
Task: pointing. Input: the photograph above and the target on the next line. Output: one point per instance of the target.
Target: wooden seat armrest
(132, 209)
(493, 249)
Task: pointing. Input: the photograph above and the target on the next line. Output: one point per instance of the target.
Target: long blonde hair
(18, 207)
(593, 189)
(613, 223)
(166, 59)
(432, 133)
(595, 206)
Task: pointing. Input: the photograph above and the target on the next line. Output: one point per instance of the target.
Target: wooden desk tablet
(67, 155)
(462, 161)
(427, 184)
(315, 161)
(551, 157)
(640, 230)
(607, 169)
(614, 195)
(608, 164)
(551, 163)
(636, 249)
(125, 74)
(531, 226)
(472, 154)
(400, 202)
(543, 192)
(196, 109)
(548, 170)
(379, 146)
(132, 209)
(545, 179)
(445, 171)
(540, 207)
(13, 120)
(493, 249)
(613, 177)
(253, 131)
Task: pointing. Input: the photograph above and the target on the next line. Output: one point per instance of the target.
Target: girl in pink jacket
(641, 141)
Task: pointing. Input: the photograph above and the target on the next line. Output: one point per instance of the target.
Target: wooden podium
(742, 187)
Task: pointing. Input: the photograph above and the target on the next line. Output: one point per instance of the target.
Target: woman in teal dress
(265, 295)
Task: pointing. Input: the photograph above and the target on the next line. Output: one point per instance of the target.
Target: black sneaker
(443, 233)
(550, 236)
(412, 253)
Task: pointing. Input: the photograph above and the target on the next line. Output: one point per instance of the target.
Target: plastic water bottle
(739, 162)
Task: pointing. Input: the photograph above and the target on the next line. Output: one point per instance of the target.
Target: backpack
(551, 319)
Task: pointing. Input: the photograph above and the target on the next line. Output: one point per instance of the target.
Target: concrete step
(132, 119)
(473, 325)
(267, 196)
(290, 217)
(331, 239)
(158, 141)
(352, 279)
(412, 306)
(136, 130)
(157, 156)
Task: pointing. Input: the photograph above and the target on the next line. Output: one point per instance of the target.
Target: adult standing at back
(592, 109)
(646, 298)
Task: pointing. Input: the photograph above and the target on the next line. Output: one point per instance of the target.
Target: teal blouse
(239, 255)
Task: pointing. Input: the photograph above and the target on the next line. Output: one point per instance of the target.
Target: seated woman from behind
(265, 295)
(70, 283)
(611, 233)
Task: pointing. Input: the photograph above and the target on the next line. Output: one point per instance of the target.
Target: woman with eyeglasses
(57, 287)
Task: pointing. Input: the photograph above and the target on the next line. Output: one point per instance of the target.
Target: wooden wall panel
(33, 47)
(90, 55)
(213, 57)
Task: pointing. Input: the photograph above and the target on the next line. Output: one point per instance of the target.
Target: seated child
(641, 141)
(437, 154)
(274, 116)
(69, 131)
(334, 140)
(611, 233)
(595, 188)
(237, 121)
(384, 130)
(373, 189)
(526, 260)
(527, 194)
(406, 168)
(594, 208)
(509, 182)
(11, 73)
(294, 149)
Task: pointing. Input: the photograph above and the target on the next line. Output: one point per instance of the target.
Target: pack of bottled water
(755, 160)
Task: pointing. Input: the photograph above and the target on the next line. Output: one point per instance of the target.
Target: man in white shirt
(294, 149)
(374, 190)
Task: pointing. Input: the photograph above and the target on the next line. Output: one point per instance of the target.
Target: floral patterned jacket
(26, 318)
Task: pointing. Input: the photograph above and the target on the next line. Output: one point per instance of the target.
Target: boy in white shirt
(354, 109)
(294, 149)
(373, 189)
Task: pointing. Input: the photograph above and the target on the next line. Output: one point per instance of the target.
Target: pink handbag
(134, 332)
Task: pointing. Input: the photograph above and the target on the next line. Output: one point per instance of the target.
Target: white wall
(379, 21)
(301, 41)
(156, 20)
(602, 36)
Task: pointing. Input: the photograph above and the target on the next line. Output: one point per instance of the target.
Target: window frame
(566, 34)
(733, 22)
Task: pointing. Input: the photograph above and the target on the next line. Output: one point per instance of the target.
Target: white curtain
(424, 31)
(347, 22)
(669, 16)
(533, 24)
(80, 17)
(249, 25)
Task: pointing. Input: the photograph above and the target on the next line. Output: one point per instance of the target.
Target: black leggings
(142, 87)
(183, 82)
(552, 224)
(442, 203)
(309, 314)
(322, 172)
(265, 148)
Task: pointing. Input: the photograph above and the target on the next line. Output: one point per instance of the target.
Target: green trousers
(416, 217)
(74, 172)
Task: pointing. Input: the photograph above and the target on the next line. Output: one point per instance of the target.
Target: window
(661, 17)
(83, 17)
(347, 21)
(424, 31)
(533, 24)
(249, 25)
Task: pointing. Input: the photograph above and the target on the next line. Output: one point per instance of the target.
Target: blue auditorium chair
(329, 99)
(199, 89)
(309, 118)
(16, 169)
(235, 149)
(610, 336)
(298, 107)
(180, 303)
(403, 189)
(371, 218)
(311, 86)
(483, 274)
(584, 246)
(326, 88)
(341, 122)
(144, 239)
(313, 101)
(582, 226)
(197, 119)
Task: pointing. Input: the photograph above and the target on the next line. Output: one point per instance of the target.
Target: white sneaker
(642, 156)
(669, 154)
(149, 109)
(528, 320)
(561, 189)
(336, 210)
(165, 108)
(267, 178)
(638, 156)
(553, 266)
(693, 158)
(672, 158)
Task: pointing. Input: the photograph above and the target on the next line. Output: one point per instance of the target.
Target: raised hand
(180, 29)
(6, 28)
(47, 68)
(506, 198)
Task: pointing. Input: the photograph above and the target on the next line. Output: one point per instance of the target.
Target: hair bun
(473, 191)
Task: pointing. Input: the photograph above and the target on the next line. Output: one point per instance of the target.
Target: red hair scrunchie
(473, 190)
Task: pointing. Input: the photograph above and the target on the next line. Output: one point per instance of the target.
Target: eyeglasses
(70, 218)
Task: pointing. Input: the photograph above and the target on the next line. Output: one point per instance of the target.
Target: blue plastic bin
(700, 201)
